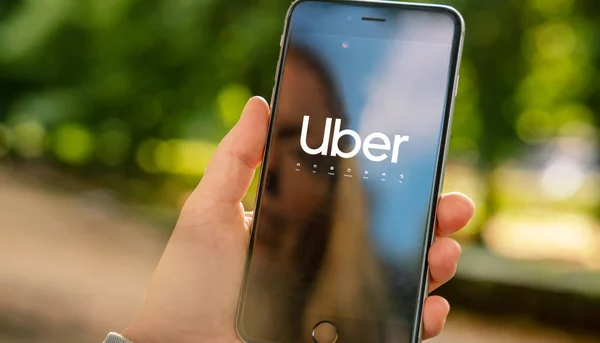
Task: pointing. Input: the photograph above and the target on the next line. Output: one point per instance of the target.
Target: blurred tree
(590, 12)
(98, 80)
(494, 51)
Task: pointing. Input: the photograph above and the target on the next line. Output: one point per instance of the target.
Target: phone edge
(454, 73)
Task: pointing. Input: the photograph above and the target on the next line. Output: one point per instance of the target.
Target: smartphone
(353, 166)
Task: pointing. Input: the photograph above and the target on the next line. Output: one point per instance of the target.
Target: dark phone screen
(344, 207)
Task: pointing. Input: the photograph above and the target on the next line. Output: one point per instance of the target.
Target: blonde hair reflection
(350, 284)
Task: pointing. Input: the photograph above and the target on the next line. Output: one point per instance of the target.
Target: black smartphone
(352, 171)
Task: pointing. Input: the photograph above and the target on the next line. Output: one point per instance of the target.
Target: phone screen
(351, 174)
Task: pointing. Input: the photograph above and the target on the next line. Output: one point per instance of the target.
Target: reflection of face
(293, 199)
(294, 222)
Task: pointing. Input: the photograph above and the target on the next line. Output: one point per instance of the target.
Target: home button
(325, 332)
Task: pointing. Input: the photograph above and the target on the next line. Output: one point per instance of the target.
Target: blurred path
(61, 255)
(69, 262)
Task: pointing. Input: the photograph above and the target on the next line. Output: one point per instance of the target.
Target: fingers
(443, 258)
(435, 312)
(231, 169)
(454, 212)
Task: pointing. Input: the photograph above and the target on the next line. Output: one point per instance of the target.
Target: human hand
(193, 294)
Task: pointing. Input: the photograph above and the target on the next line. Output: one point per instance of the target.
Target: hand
(193, 294)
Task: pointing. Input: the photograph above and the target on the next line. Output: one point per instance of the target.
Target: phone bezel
(456, 54)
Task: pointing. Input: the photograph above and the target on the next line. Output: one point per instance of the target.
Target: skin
(193, 294)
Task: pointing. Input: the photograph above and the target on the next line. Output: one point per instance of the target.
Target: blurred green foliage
(138, 93)
(138, 89)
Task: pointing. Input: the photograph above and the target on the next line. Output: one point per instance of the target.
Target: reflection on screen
(343, 216)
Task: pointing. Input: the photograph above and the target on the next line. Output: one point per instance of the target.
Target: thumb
(232, 167)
